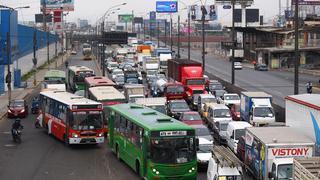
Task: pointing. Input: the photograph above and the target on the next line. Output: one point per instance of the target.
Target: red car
(17, 108)
(191, 118)
(235, 112)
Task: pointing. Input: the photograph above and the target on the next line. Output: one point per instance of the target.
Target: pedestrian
(309, 87)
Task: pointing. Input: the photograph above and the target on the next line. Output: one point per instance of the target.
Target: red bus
(95, 81)
(71, 118)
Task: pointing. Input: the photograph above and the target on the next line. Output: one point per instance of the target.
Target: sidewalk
(22, 93)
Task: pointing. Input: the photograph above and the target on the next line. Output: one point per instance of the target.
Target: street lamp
(9, 76)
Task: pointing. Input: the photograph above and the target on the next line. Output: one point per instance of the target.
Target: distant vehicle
(235, 112)
(237, 65)
(119, 80)
(229, 99)
(74, 52)
(87, 51)
(17, 108)
(203, 132)
(176, 107)
(204, 152)
(151, 66)
(191, 118)
(158, 103)
(76, 75)
(134, 91)
(223, 164)
(235, 130)
(194, 102)
(164, 54)
(132, 76)
(261, 67)
(115, 73)
(174, 91)
(205, 98)
(54, 80)
(96, 81)
(152, 137)
(71, 118)
(218, 93)
(111, 66)
(213, 86)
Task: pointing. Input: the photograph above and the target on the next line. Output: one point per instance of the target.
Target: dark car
(235, 112)
(241, 148)
(213, 86)
(17, 108)
(176, 107)
(203, 131)
(190, 118)
(218, 93)
(261, 67)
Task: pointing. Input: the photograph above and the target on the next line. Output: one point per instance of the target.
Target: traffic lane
(77, 60)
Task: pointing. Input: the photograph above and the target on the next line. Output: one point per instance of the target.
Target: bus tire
(117, 152)
(138, 167)
(65, 140)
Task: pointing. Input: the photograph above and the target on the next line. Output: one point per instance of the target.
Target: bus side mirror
(197, 144)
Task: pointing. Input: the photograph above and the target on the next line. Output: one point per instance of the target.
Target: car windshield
(209, 100)
(205, 148)
(285, 171)
(232, 97)
(117, 72)
(219, 93)
(239, 133)
(215, 87)
(179, 105)
(191, 117)
(172, 151)
(195, 82)
(263, 112)
(159, 108)
(220, 113)
(113, 65)
(175, 89)
(202, 131)
(90, 120)
(16, 103)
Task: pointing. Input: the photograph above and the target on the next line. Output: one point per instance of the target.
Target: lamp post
(296, 47)
(233, 43)
(9, 75)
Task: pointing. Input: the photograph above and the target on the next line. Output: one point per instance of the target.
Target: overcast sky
(93, 9)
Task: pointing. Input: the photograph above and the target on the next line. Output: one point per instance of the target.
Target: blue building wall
(2, 79)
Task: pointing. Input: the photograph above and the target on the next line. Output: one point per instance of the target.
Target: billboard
(166, 6)
(125, 18)
(39, 18)
(63, 5)
(115, 37)
(306, 2)
(252, 15)
(224, 2)
(210, 12)
(138, 20)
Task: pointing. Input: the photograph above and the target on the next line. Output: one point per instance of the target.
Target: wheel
(137, 167)
(66, 140)
(118, 153)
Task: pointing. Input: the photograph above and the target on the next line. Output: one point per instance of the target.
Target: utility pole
(9, 76)
(158, 27)
(171, 32)
(296, 47)
(44, 12)
(56, 49)
(233, 42)
(189, 39)
(203, 38)
(144, 31)
(103, 50)
(165, 33)
(34, 60)
(62, 48)
(179, 36)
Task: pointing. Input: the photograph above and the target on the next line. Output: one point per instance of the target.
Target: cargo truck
(86, 51)
(150, 66)
(189, 73)
(269, 151)
(134, 91)
(164, 54)
(256, 108)
(303, 114)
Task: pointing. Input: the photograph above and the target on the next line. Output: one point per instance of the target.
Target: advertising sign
(138, 20)
(63, 5)
(115, 37)
(39, 18)
(306, 2)
(252, 15)
(210, 12)
(125, 18)
(223, 2)
(285, 152)
(167, 6)
(153, 15)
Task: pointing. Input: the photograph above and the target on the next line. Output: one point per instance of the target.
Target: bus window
(86, 120)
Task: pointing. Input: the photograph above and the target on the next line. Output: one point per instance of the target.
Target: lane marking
(10, 145)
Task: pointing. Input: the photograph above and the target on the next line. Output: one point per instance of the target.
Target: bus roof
(106, 93)
(68, 98)
(55, 73)
(98, 81)
(148, 118)
(79, 68)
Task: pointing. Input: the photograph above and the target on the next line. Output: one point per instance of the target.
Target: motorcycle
(16, 135)
(35, 106)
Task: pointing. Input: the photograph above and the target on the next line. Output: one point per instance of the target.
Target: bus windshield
(90, 120)
(173, 150)
(175, 89)
(80, 78)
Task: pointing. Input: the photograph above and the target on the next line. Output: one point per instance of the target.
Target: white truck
(224, 165)
(156, 103)
(269, 151)
(121, 54)
(303, 114)
(134, 91)
(150, 66)
(164, 54)
(256, 108)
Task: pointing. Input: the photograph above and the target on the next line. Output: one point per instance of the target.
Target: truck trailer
(269, 151)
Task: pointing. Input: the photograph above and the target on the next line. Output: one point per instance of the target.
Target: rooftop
(309, 100)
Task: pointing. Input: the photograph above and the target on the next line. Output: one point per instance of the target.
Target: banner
(166, 6)
(196, 12)
(63, 5)
(125, 18)
(306, 2)
(138, 20)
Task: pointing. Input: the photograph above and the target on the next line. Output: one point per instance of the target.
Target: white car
(111, 66)
(229, 99)
(74, 52)
(204, 151)
(115, 73)
(237, 65)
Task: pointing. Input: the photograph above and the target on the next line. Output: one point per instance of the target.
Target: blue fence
(2, 79)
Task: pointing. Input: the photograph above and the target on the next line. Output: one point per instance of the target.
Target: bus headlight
(74, 135)
(155, 171)
(100, 134)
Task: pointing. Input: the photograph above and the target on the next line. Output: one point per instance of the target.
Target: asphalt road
(277, 83)
(42, 157)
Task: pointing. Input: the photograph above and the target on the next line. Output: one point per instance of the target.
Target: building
(83, 23)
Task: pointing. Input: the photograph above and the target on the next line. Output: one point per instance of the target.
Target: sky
(93, 9)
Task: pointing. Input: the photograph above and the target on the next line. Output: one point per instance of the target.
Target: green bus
(76, 75)
(54, 80)
(155, 145)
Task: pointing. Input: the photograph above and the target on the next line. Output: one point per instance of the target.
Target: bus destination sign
(173, 133)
